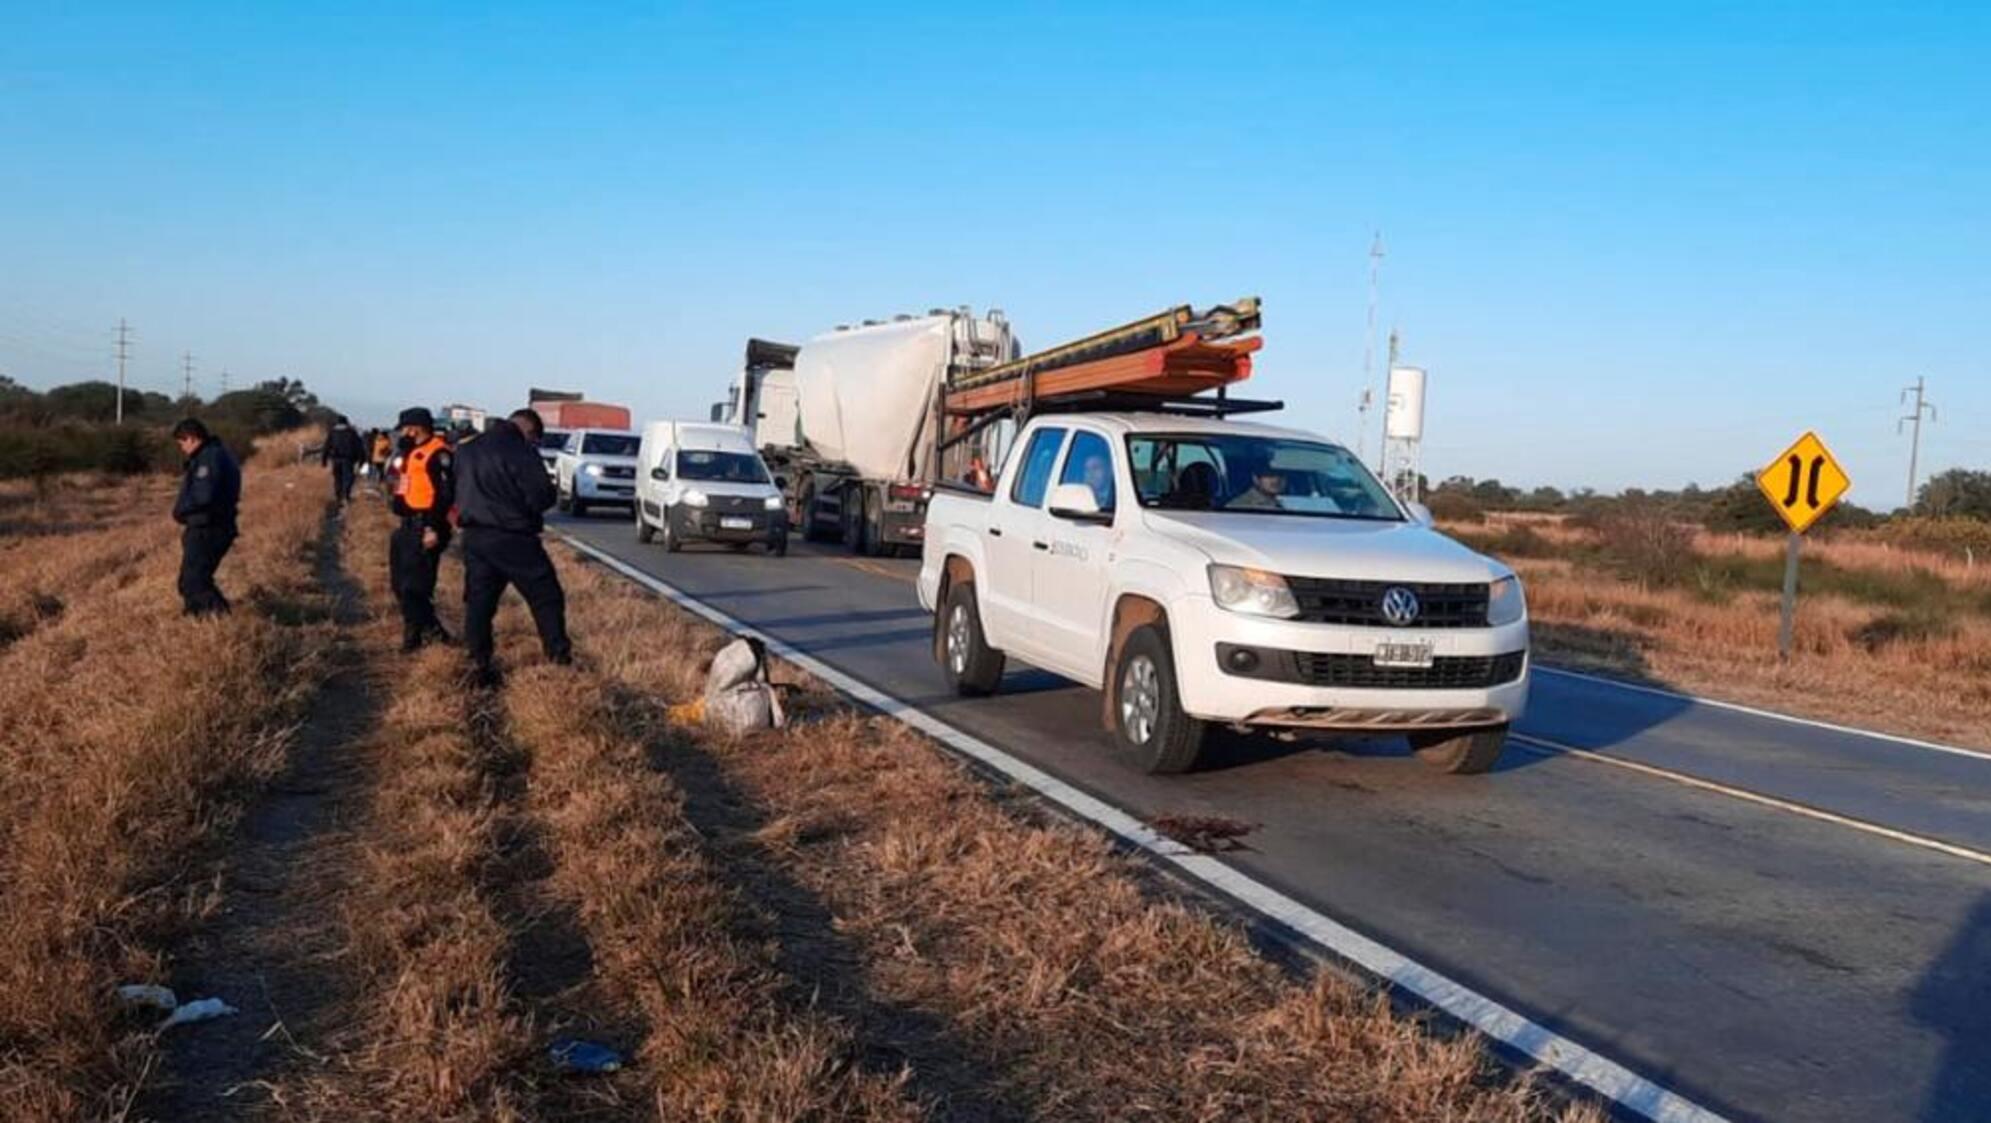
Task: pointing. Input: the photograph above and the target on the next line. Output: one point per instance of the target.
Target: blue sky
(1634, 246)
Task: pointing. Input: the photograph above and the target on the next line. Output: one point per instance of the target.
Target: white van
(701, 482)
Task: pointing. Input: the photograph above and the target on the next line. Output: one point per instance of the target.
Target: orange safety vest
(413, 486)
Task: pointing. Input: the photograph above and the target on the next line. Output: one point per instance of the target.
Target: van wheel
(1151, 727)
(672, 543)
(972, 667)
(1462, 752)
(644, 531)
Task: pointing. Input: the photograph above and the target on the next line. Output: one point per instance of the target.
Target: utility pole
(1914, 420)
(1369, 349)
(186, 375)
(124, 352)
(224, 380)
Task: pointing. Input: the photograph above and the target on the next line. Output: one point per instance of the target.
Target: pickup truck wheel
(644, 531)
(779, 547)
(565, 501)
(1152, 727)
(972, 667)
(1462, 752)
(577, 505)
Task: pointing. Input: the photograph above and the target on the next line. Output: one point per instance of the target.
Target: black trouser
(201, 551)
(411, 570)
(342, 480)
(493, 559)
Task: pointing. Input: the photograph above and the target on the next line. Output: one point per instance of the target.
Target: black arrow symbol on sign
(1811, 492)
(1797, 468)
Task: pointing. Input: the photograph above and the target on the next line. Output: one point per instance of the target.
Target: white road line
(1592, 1070)
(1531, 743)
(1773, 715)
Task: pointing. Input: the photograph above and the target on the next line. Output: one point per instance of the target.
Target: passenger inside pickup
(1195, 487)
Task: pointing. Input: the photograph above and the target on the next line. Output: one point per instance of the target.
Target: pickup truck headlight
(1505, 602)
(591, 469)
(1252, 592)
(772, 503)
(693, 498)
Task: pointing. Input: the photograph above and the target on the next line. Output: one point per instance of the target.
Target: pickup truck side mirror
(1420, 514)
(660, 473)
(1077, 503)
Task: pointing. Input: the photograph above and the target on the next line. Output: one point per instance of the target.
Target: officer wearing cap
(424, 493)
(210, 491)
(505, 497)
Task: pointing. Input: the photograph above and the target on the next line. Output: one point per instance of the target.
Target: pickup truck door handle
(995, 532)
(1041, 545)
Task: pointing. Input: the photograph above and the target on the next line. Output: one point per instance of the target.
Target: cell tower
(1403, 429)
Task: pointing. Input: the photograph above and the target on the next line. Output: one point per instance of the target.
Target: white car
(550, 443)
(596, 468)
(703, 482)
(1205, 571)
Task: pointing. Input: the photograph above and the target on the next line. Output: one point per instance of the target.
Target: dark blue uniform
(502, 495)
(210, 492)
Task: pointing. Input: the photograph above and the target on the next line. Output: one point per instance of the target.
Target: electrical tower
(224, 380)
(1369, 353)
(124, 352)
(186, 375)
(1914, 421)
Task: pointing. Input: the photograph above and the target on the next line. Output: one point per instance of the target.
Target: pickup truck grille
(1333, 601)
(618, 471)
(1446, 672)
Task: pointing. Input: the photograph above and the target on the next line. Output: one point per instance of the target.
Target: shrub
(1645, 544)
(1452, 506)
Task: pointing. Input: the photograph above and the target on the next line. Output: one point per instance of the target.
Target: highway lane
(1765, 964)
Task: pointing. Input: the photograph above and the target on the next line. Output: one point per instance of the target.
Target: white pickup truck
(1202, 571)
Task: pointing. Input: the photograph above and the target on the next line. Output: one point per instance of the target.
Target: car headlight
(591, 469)
(1505, 602)
(693, 498)
(772, 503)
(1252, 592)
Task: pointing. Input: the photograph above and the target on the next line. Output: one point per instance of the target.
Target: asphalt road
(1763, 962)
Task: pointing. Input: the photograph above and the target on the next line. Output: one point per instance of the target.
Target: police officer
(502, 496)
(424, 491)
(210, 490)
(342, 452)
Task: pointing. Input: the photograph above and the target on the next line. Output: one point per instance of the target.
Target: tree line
(72, 428)
(1959, 493)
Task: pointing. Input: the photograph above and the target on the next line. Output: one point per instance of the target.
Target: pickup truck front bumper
(1249, 670)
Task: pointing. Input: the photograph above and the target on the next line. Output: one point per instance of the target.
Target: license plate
(735, 524)
(1403, 655)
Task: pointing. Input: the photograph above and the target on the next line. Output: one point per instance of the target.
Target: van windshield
(1255, 475)
(608, 444)
(721, 467)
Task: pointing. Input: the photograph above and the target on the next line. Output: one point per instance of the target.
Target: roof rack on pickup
(1171, 355)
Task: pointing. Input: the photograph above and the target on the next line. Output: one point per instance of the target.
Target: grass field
(1886, 638)
(411, 886)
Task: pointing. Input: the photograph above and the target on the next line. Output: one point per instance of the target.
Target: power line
(1914, 420)
(124, 352)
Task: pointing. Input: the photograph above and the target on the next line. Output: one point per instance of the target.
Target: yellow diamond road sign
(1803, 482)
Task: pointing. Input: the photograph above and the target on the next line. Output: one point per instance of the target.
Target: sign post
(1802, 484)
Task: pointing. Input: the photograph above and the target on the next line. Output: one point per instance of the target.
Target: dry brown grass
(1871, 665)
(131, 737)
(1017, 966)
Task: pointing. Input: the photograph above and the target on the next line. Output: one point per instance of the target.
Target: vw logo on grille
(1400, 606)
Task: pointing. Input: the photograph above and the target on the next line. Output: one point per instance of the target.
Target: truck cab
(1205, 572)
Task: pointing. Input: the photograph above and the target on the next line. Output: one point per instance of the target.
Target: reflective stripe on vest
(413, 486)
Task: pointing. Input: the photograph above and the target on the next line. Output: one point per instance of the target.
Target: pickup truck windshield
(553, 440)
(1254, 475)
(721, 467)
(608, 444)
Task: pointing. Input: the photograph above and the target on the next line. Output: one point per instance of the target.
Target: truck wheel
(1152, 728)
(812, 526)
(972, 667)
(644, 531)
(1462, 752)
(874, 525)
(852, 510)
(672, 543)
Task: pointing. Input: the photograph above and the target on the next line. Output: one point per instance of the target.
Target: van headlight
(1252, 592)
(693, 498)
(1505, 603)
(772, 503)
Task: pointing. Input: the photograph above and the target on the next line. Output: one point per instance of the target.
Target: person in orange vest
(424, 493)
